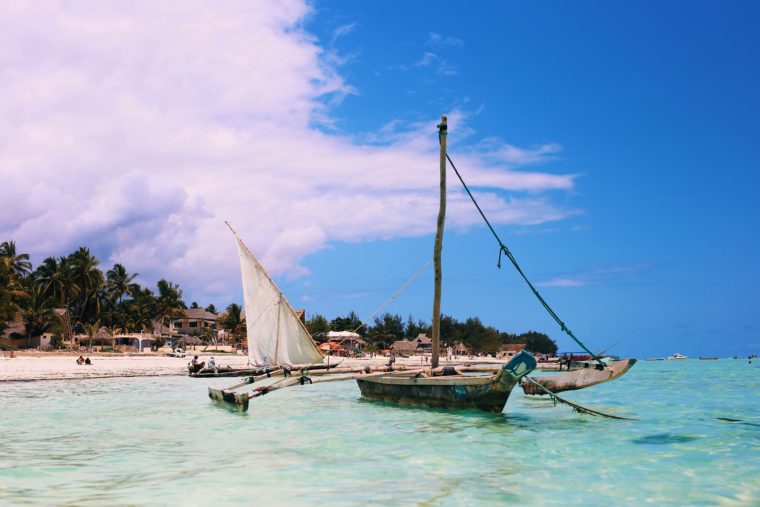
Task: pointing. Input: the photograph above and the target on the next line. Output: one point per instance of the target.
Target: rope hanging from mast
(504, 250)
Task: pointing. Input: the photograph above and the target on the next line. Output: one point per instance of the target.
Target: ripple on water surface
(161, 441)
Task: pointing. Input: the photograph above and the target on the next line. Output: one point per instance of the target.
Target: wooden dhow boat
(454, 391)
(577, 379)
(450, 389)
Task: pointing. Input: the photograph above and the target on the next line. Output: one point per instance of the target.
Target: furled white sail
(276, 336)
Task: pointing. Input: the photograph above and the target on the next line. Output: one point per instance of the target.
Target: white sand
(57, 366)
(54, 366)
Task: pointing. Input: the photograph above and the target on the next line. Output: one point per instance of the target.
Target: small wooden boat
(195, 368)
(225, 371)
(486, 392)
(578, 379)
(708, 358)
(654, 359)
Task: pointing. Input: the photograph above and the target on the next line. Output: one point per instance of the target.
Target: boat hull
(490, 397)
(578, 379)
(488, 393)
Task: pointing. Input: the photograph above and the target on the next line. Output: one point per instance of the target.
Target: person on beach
(80, 361)
(211, 362)
(87, 361)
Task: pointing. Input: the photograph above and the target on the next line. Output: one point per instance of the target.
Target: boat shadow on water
(665, 439)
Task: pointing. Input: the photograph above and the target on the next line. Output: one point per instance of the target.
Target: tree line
(71, 294)
(388, 328)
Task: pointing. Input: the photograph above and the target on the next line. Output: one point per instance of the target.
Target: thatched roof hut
(186, 341)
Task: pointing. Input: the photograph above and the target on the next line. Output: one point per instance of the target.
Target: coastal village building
(196, 319)
(461, 349)
(16, 336)
(421, 344)
(512, 348)
(346, 340)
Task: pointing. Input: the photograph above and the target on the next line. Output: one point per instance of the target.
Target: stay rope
(505, 251)
(395, 295)
(578, 408)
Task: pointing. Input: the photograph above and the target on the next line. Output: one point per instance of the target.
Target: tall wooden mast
(436, 339)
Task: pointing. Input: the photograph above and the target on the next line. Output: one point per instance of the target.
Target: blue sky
(615, 147)
(656, 107)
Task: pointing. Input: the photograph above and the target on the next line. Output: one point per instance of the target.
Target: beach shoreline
(36, 366)
(29, 366)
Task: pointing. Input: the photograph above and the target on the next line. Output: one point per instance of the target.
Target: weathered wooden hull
(225, 372)
(578, 379)
(239, 400)
(195, 368)
(443, 392)
(488, 392)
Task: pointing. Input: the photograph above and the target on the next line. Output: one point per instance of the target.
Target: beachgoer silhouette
(80, 360)
(87, 361)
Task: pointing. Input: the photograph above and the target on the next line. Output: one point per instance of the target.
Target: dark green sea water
(160, 441)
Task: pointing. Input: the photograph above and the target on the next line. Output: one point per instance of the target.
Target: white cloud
(598, 275)
(343, 30)
(436, 40)
(140, 129)
(428, 58)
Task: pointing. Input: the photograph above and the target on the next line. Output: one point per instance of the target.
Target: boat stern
(520, 365)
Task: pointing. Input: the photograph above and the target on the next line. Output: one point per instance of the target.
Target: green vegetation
(388, 328)
(70, 294)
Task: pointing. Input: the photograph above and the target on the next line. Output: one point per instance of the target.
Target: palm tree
(91, 329)
(88, 279)
(140, 310)
(9, 295)
(18, 262)
(119, 282)
(208, 337)
(55, 276)
(233, 321)
(37, 313)
(169, 304)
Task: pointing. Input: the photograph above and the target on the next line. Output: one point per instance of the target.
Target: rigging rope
(394, 296)
(504, 250)
(578, 408)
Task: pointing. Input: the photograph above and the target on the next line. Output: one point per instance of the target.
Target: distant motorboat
(677, 357)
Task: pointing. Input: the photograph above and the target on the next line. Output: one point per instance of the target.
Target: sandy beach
(55, 366)
(62, 366)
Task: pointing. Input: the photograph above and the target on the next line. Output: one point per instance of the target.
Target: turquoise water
(160, 441)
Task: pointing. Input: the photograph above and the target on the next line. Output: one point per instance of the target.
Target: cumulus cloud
(138, 128)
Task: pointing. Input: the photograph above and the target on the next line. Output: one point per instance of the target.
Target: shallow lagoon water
(161, 441)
